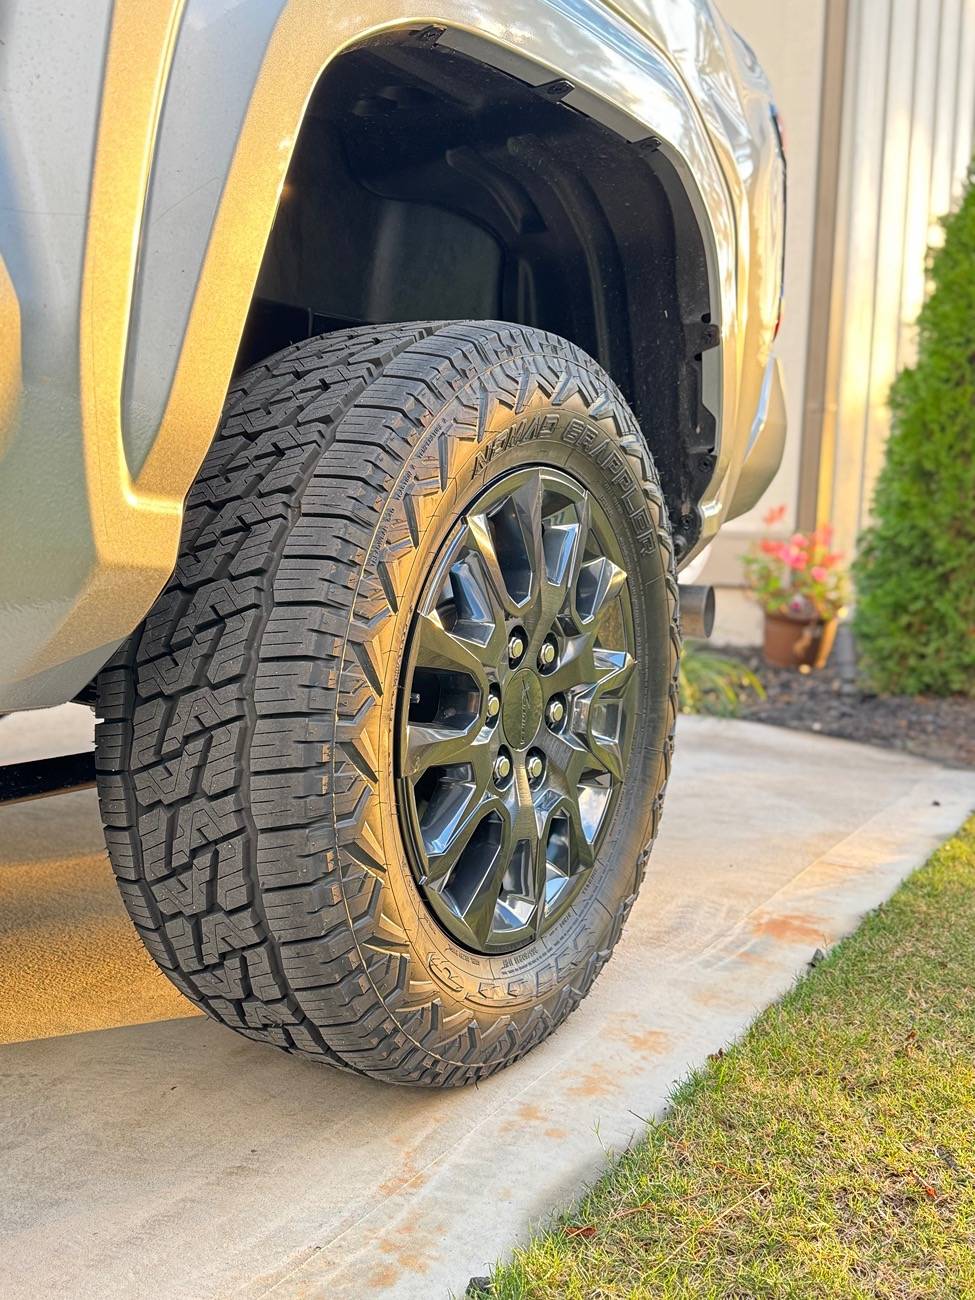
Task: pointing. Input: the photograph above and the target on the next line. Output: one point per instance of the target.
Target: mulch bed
(831, 703)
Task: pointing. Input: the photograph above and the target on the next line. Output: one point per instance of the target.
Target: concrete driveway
(147, 1152)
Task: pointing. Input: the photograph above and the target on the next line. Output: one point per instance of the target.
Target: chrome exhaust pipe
(696, 611)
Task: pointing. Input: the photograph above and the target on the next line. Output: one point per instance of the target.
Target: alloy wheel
(517, 709)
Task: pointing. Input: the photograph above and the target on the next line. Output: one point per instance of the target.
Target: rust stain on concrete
(651, 1042)
(525, 1114)
(596, 1082)
(648, 1042)
(792, 927)
(384, 1277)
(409, 1248)
(529, 1113)
(408, 1177)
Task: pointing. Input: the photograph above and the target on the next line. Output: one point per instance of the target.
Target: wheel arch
(436, 176)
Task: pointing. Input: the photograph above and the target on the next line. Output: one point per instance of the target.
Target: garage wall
(879, 104)
(907, 140)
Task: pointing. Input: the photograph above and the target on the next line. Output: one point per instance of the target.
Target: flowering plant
(799, 575)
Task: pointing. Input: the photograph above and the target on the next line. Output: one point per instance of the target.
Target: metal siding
(868, 106)
(965, 118)
(908, 137)
(905, 144)
(891, 228)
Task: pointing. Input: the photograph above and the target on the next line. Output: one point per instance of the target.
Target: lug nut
(516, 647)
(493, 706)
(534, 766)
(546, 656)
(502, 768)
(555, 712)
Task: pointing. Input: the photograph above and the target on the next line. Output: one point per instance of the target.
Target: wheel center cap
(521, 712)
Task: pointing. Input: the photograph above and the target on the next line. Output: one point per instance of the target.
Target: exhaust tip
(696, 611)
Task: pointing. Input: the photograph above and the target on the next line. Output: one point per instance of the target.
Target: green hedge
(915, 574)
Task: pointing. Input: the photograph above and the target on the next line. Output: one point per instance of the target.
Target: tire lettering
(601, 450)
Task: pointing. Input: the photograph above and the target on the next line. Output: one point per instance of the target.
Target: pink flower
(818, 573)
(795, 558)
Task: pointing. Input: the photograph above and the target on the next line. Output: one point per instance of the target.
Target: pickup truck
(368, 374)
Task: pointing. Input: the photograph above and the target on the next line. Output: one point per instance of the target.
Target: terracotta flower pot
(792, 640)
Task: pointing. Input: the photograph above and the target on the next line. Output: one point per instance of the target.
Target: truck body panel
(143, 150)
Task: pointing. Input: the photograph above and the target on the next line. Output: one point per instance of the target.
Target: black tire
(246, 745)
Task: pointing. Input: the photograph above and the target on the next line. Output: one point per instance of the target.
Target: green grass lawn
(830, 1153)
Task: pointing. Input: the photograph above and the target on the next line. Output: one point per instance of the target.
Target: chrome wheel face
(518, 699)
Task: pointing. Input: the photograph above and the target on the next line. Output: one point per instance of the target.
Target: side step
(44, 776)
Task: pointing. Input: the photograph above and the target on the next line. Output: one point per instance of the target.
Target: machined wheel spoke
(480, 900)
(539, 875)
(582, 663)
(599, 584)
(521, 900)
(525, 820)
(563, 544)
(481, 540)
(430, 745)
(583, 512)
(575, 667)
(613, 670)
(527, 501)
(577, 759)
(446, 838)
(446, 651)
(582, 850)
(480, 616)
(598, 710)
(607, 753)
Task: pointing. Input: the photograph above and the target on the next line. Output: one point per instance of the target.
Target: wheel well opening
(426, 184)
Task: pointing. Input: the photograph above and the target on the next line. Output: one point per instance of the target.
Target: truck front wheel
(380, 770)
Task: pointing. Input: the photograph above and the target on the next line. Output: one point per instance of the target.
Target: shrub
(915, 574)
(715, 684)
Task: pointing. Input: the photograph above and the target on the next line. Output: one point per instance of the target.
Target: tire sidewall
(607, 456)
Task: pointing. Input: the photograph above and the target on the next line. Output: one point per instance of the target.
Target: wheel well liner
(427, 184)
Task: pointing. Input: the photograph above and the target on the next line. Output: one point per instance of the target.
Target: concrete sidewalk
(174, 1159)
